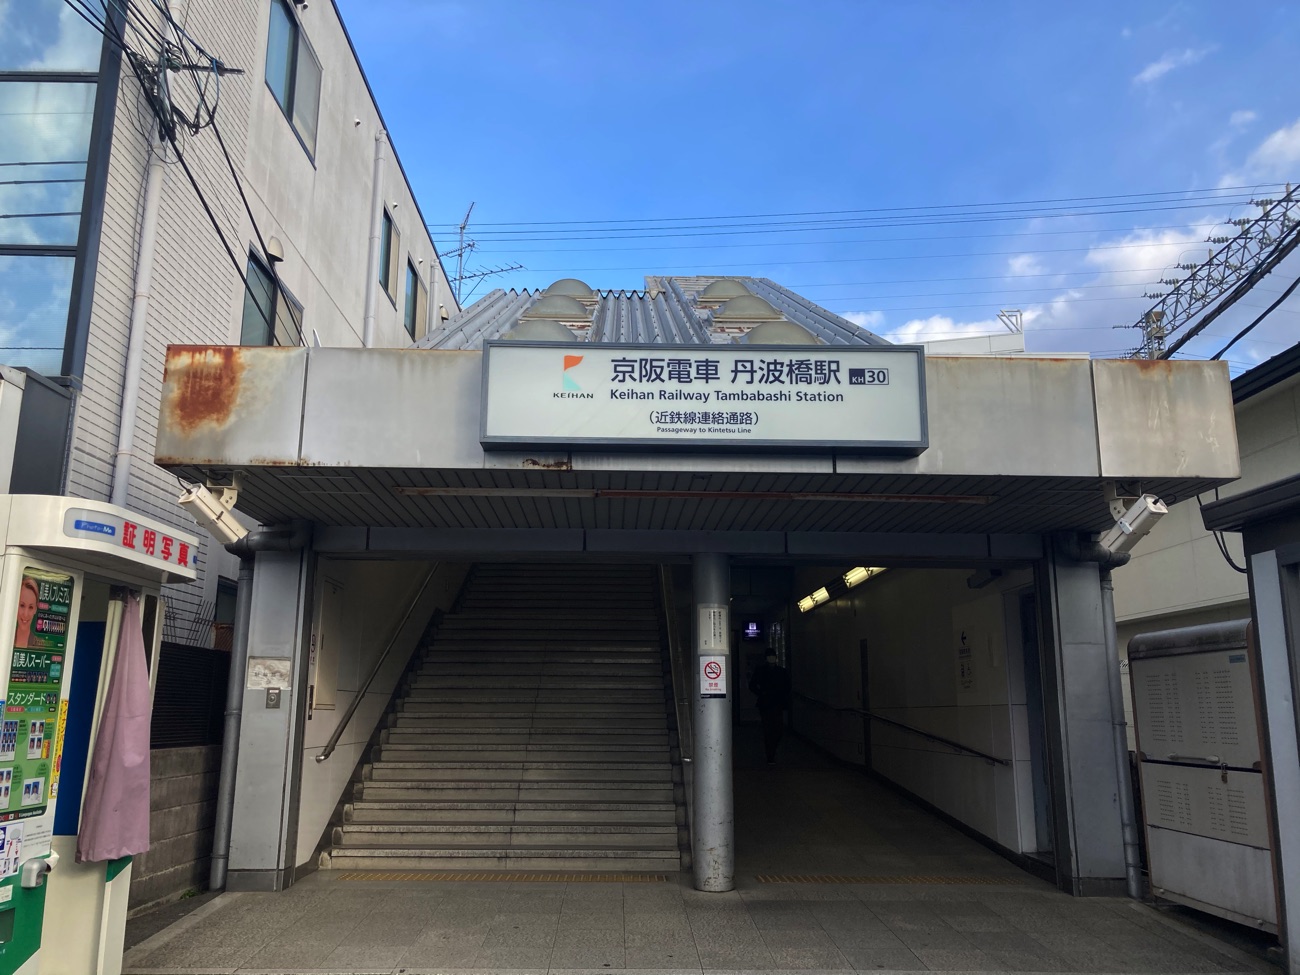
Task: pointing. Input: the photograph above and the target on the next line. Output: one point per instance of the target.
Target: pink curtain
(115, 814)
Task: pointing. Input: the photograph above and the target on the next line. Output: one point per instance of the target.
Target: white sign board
(868, 399)
(713, 628)
(713, 675)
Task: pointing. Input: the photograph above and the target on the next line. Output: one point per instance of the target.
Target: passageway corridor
(939, 901)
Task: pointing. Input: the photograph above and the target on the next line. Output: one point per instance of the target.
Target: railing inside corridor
(333, 742)
(956, 745)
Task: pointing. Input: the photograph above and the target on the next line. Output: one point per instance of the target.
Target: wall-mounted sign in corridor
(864, 399)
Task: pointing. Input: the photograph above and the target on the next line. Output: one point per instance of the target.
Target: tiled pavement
(803, 816)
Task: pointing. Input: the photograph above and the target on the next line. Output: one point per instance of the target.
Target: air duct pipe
(1072, 548)
(289, 539)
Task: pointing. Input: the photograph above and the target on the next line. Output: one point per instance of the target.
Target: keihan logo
(570, 384)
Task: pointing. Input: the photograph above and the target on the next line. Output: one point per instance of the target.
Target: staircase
(533, 734)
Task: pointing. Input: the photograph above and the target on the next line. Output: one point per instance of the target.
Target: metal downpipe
(126, 417)
(230, 730)
(1127, 816)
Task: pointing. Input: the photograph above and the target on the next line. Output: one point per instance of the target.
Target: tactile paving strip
(513, 878)
(809, 878)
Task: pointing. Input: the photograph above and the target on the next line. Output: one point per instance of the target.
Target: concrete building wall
(318, 207)
(1178, 570)
(1178, 577)
(909, 627)
(182, 798)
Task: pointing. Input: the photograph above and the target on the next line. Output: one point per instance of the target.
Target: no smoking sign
(713, 676)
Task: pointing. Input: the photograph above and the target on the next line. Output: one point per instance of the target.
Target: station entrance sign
(862, 399)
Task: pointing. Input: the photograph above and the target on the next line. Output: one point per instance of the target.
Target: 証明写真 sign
(860, 398)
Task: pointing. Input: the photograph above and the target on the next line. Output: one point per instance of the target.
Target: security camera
(1133, 526)
(213, 512)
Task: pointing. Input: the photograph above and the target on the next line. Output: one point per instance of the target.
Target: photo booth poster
(30, 742)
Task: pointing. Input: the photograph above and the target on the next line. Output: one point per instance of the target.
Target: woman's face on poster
(26, 608)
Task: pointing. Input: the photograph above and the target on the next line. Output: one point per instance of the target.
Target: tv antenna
(465, 245)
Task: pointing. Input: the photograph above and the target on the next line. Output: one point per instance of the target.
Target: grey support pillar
(263, 838)
(1089, 827)
(713, 828)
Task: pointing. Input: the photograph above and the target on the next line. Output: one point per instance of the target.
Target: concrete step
(542, 641)
(438, 656)
(656, 744)
(523, 771)
(551, 861)
(614, 623)
(541, 618)
(527, 710)
(558, 697)
(409, 719)
(564, 682)
(605, 670)
(441, 810)
(532, 734)
(512, 753)
(585, 836)
(571, 790)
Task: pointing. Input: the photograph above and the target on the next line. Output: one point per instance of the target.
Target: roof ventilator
(551, 310)
(739, 315)
(719, 291)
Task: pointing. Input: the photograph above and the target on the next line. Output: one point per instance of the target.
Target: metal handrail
(333, 742)
(916, 731)
(685, 731)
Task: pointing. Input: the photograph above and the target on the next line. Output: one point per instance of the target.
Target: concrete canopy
(388, 439)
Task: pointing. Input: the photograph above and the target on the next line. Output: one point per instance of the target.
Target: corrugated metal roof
(666, 313)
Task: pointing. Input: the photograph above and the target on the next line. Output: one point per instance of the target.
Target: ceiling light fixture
(838, 587)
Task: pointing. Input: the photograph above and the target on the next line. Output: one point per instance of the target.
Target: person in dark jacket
(771, 685)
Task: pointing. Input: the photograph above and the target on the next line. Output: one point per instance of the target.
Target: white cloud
(1024, 264)
(1140, 250)
(938, 327)
(1242, 118)
(1276, 158)
(1169, 62)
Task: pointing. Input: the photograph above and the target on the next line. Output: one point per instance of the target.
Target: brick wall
(183, 802)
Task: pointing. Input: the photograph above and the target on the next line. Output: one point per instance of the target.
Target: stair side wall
(377, 595)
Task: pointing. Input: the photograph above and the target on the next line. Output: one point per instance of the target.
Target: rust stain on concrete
(203, 384)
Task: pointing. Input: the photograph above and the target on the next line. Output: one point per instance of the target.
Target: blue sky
(653, 117)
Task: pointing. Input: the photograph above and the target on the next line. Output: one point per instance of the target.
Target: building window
(417, 302)
(49, 64)
(389, 247)
(293, 73)
(272, 316)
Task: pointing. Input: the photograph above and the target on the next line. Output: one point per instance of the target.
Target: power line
(1263, 315)
(605, 248)
(949, 206)
(724, 230)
